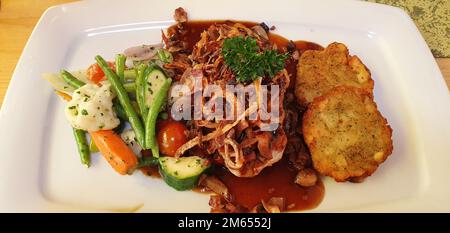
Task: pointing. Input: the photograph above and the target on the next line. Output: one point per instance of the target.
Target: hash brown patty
(346, 134)
(320, 71)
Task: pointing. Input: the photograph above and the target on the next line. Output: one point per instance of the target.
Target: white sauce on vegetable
(91, 108)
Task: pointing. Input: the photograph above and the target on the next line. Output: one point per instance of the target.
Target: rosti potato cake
(320, 71)
(346, 134)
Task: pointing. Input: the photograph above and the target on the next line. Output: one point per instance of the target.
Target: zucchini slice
(182, 174)
(153, 83)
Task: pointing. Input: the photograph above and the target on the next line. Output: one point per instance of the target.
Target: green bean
(83, 148)
(80, 135)
(164, 116)
(75, 83)
(140, 90)
(150, 122)
(136, 107)
(130, 87)
(147, 161)
(120, 66)
(119, 110)
(130, 74)
(71, 80)
(124, 100)
(165, 56)
(92, 147)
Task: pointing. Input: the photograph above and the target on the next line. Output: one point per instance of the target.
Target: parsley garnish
(242, 56)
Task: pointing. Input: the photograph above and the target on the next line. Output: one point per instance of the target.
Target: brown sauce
(152, 171)
(275, 181)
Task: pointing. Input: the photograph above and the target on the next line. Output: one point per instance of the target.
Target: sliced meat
(180, 15)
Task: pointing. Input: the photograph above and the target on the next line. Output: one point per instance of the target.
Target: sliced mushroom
(306, 177)
(260, 31)
(214, 184)
(274, 205)
(142, 52)
(180, 15)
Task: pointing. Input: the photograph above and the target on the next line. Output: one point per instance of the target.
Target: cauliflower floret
(129, 137)
(91, 108)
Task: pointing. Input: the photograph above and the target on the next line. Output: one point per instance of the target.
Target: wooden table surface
(18, 18)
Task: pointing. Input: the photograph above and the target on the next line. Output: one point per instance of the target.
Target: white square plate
(40, 168)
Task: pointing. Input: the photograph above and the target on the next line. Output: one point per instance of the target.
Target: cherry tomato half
(171, 135)
(95, 73)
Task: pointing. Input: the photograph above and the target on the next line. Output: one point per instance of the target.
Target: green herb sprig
(242, 56)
